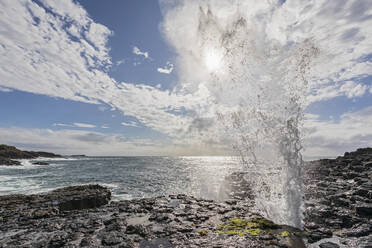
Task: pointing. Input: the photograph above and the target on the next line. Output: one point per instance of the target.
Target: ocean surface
(127, 177)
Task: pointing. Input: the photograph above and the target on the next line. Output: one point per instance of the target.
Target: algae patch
(241, 227)
(285, 234)
(203, 232)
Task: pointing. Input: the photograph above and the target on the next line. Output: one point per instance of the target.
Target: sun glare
(212, 59)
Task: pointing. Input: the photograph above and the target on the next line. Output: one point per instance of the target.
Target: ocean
(127, 177)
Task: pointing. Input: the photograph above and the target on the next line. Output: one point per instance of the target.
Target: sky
(150, 77)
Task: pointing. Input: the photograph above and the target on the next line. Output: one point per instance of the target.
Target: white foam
(121, 197)
(108, 185)
(19, 185)
(59, 159)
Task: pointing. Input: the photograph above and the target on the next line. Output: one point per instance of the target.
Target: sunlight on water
(127, 177)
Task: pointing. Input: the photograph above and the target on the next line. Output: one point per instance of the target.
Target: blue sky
(141, 20)
(135, 78)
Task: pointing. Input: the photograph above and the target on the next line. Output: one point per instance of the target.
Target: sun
(212, 59)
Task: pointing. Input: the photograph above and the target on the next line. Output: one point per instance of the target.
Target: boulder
(329, 245)
(64, 199)
(80, 197)
(364, 210)
(9, 162)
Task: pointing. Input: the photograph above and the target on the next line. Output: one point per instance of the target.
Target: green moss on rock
(203, 232)
(242, 227)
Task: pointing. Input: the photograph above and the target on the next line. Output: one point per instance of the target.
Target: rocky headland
(9, 153)
(338, 203)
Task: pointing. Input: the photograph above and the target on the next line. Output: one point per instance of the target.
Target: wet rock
(64, 199)
(117, 225)
(156, 243)
(140, 230)
(80, 197)
(112, 238)
(329, 245)
(318, 235)
(340, 201)
(9, 162)
(82, 216)
(364, 210)
(40, 163)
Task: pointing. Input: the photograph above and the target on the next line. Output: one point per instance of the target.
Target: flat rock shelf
(338, 204)
(79, 216)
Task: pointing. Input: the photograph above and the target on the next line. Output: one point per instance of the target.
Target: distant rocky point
(8, 153)
(78, 156)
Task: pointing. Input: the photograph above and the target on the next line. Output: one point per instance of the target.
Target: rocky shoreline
(339, 198)
(338, 204)
(80, 216)
(9, 153)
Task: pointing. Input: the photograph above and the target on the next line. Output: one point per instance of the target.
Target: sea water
(127, 177)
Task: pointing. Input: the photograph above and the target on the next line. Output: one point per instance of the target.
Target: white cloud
(45, 57)
(352, 89)
(137, 51)
(129, 124)
(259, 55)
(311, 116)
(167, 69)
(84, 125)
(349, 89)
(76, 124)
(102, 108)
(333, 138)
(119, 62)
(62, 125)
(105, 126)
(339, 32)
(96, 143)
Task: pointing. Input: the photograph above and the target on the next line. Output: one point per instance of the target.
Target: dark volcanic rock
(11, 152)
(364, 210)
(338, 203)
(8, 162)
(44, 154)
(7, 153)
(64, 199)
(174, 221)
(40, 163)
(339, 198)
(81, 197)
(329, 245)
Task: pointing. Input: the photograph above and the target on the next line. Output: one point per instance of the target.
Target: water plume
(258, 83)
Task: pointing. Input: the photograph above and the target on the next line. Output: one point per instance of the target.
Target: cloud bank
(54, 48)
(228, 44)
